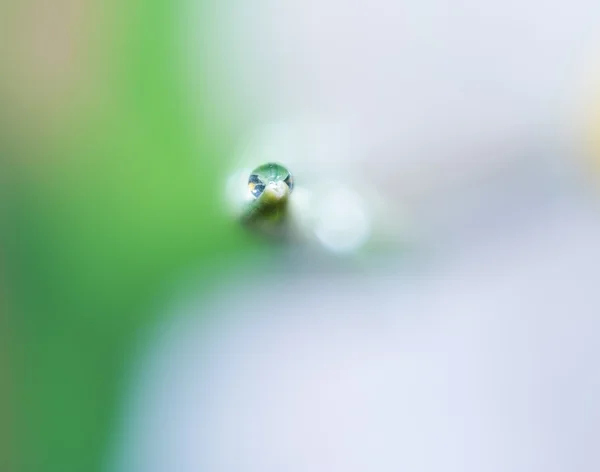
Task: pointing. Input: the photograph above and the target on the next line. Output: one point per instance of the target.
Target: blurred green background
(111, 173)
(109, 188)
